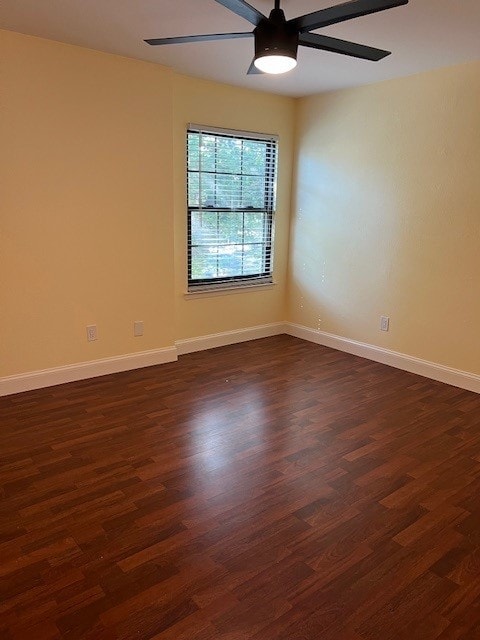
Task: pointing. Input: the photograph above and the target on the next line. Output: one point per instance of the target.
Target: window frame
(243, 281)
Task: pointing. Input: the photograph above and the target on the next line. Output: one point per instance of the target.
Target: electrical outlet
(138, 328)
(92, 332)
(384, 323)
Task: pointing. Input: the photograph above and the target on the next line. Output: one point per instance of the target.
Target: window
(231, 201)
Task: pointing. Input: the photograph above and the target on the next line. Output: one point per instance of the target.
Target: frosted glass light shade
(275, 64)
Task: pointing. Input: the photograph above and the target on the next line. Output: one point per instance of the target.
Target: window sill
(213, 293)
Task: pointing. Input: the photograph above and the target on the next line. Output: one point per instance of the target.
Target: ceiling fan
(277, 39)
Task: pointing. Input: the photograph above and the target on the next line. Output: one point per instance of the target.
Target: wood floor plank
(270, 490)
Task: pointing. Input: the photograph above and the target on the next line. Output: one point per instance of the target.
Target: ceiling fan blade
(244, 10)
(326, 43)
(252, 70)
(200, 38)
(342, 12)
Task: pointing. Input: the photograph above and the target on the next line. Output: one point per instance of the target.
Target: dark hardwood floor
(272, 490)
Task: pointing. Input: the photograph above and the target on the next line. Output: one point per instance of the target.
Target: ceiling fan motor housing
(274, 37)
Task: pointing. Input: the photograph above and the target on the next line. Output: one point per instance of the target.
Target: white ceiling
(423, 35)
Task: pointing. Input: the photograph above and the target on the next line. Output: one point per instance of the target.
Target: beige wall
(89, 233)
(86, 211)
(208, 103)
(386, 216)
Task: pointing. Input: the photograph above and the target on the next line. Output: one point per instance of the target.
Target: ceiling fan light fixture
(276, 44)
(275, 63)
(277, 39)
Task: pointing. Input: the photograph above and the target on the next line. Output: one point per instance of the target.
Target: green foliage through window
(231, 194)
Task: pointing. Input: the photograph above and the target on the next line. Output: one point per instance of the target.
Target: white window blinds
(231, 203)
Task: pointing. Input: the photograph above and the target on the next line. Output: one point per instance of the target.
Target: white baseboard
(455, 377)
(83, 370)
(116, 364)
(229, 337)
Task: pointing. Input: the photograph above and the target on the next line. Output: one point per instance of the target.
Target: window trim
(240, 282)
(211, 292)
(238, 133)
